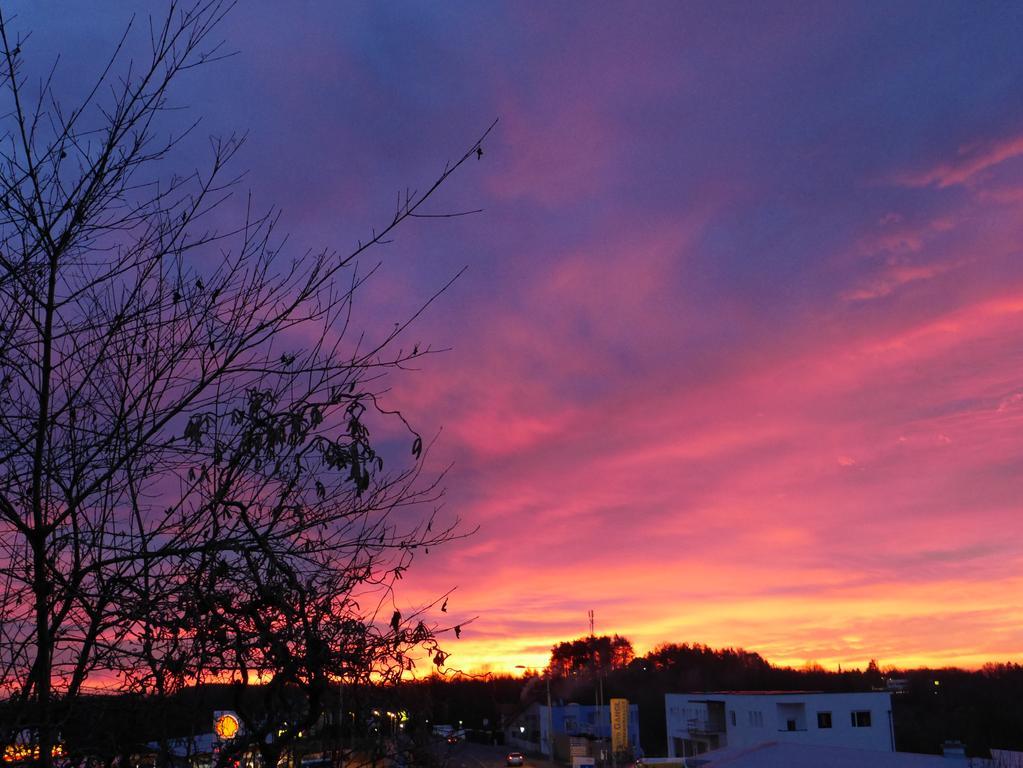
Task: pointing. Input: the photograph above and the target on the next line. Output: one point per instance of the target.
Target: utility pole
(550, 718)
(550, 712)
(598, 689)
(340, 722)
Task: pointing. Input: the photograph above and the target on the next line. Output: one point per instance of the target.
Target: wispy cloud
(968, 165)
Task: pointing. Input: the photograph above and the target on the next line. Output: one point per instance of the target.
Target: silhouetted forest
(982, 708)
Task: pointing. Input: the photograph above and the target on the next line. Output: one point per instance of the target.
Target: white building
(701, 722)
(774, 755)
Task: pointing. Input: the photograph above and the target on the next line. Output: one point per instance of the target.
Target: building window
(732, 716)
(756, 718)
(824, 719)
(861, 719)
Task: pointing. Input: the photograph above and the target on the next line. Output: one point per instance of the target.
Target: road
(467, 755)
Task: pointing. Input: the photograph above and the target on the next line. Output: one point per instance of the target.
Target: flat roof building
(773, 754)
(701, 722)
(530, 730)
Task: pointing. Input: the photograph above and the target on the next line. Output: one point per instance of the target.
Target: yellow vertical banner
(619, 725)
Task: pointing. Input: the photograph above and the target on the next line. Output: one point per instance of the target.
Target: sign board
(619, 725)
(582, 762)
(226, 725)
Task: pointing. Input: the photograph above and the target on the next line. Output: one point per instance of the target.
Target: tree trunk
(41, 579)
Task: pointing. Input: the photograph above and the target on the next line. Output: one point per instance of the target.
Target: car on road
(452, 739)
(516, 758)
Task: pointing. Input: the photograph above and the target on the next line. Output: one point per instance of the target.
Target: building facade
(698, 723)
(530, 730)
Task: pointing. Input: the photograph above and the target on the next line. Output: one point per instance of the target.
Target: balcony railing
(705, 726)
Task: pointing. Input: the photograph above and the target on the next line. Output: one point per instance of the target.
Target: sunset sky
(738, 356)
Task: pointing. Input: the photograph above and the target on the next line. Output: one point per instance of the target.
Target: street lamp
(341, 719)
(550, 714)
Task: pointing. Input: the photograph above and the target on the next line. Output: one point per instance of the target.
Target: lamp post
(550, 714)
(341, 720)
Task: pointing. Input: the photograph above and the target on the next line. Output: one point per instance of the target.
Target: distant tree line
(590, 653)
(982, 708)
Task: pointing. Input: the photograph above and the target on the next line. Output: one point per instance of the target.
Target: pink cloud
(785, 490)
(901, 253)
(831, 489)
(970, 162)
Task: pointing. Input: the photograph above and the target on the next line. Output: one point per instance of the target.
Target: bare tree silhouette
(188, 486)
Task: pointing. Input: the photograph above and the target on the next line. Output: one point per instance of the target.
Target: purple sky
(738, 358)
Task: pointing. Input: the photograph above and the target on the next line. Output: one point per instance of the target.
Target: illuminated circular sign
(226, 726)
